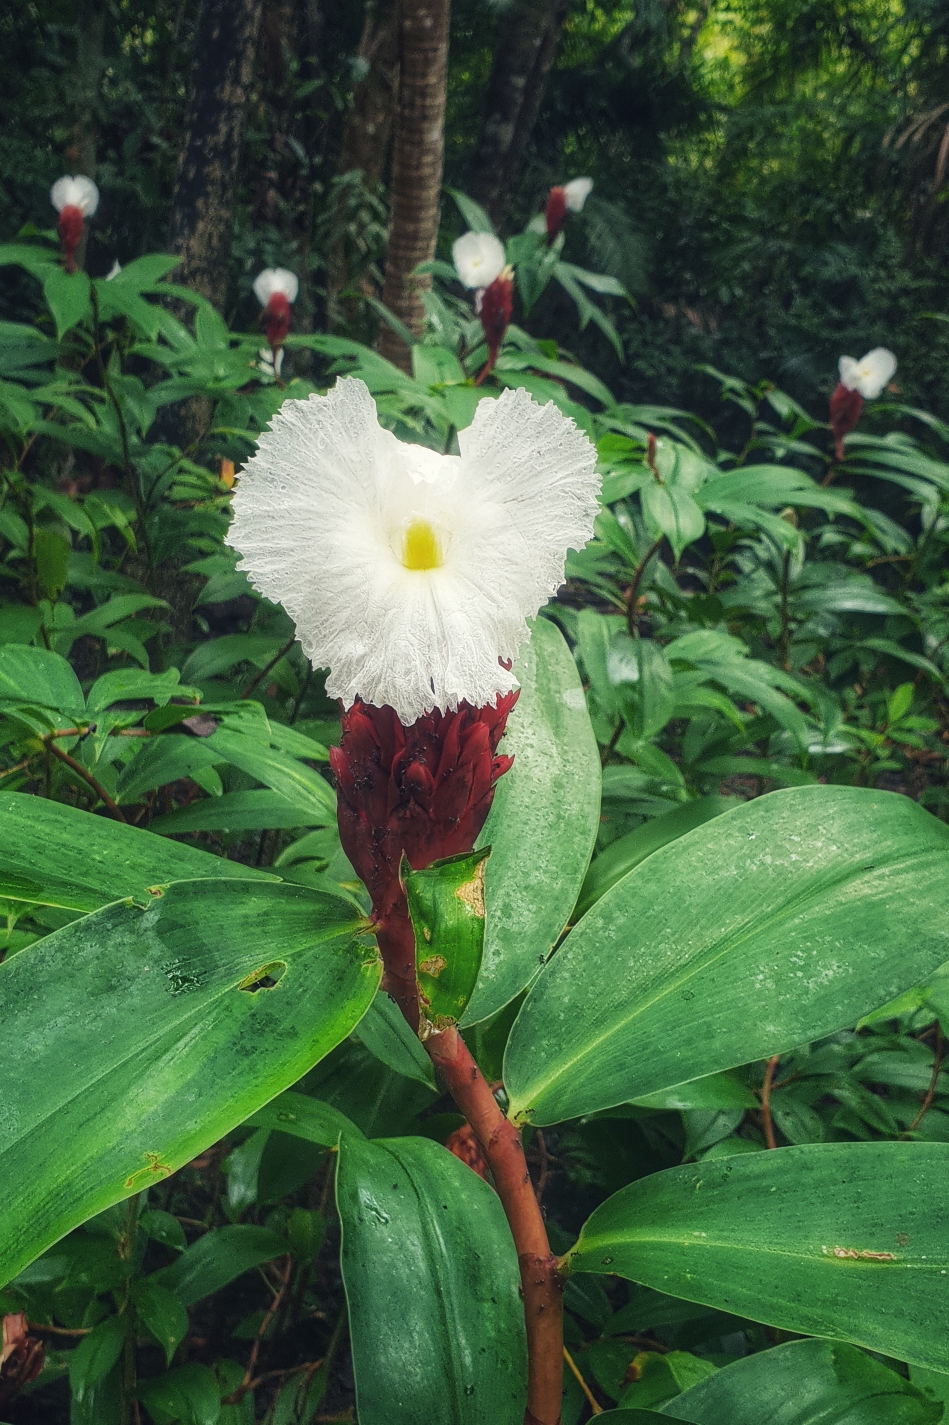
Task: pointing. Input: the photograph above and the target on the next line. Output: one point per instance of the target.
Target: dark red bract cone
(69, 227)
(277, 319)
(423, 791)
(555, 210)
(846, 407)
(497, 303)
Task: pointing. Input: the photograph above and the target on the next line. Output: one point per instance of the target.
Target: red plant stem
(396, 939)
(541, 1283)
(766, 1120)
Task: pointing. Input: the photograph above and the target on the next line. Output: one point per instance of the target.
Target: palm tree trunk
(526, 48)
(417, 151)
(203, 206)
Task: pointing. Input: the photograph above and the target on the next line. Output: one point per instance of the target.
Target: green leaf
(215, 1259)
(52, 553)
(446, 903)
(662, 1377)
(303, 1117)
(542, 825)
(163, 1227)
(846, 1240)
(627, 851)
(95, 1355)
(806, 1383)
(672, 511)
(472, 212)
(234, 811)
(217, 995)
(775, 924)
(162, 1312)
(642, 677)
(32, 676)
(187, 1396)
(426, 1245)
(299, 784)
(385, 1034)
(68, 298)
(56, 855)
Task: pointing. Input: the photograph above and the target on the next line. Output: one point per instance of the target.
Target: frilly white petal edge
(75, 191)
(320, 517)
(479, 258)
(276, 279)
(870, 374)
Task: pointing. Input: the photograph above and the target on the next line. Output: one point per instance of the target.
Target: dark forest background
(771, 175)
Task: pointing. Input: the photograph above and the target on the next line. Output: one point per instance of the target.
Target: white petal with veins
(409, 574)
(870, 374)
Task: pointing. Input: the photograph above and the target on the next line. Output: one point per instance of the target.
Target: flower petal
(276, 279)
(478, 258)
(875, 371)
(849, 370)
(577, 192)
(75, 192)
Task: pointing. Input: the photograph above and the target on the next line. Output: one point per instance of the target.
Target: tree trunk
(526, 48)
(203, 207)
(417, 150)
(368, 127)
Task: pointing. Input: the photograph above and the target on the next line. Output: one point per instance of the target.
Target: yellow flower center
(420, 547)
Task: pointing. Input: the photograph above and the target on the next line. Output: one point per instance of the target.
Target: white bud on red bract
(478, 259)
(75, 192)
(577, 191)
(276, 280)
(409, 574)
(870, 374)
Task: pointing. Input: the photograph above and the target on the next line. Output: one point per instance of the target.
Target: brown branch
(595, 1406)
(247, 1384)
(89, 779)
(931, 1091)
(632, 594)
(59, 1330)
(541, 1282)
(766, 1087)
(254, 682)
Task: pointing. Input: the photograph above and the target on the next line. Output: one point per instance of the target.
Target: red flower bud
(70, 226)
(555, 211)
(422, 791)
(277, 319)
(495, 308)
(846, 407)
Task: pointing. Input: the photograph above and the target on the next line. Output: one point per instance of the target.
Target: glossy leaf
(162, 1312)
(95, 1355)
(56, 855)
(543, 822)
(187, 1396)
(846, 1240)
(150, 1032)
(386, 1034)
(303, 1117)
(774, 924)
(215, 1259)
(805, 1383)
(446, 903)
(432, 1283)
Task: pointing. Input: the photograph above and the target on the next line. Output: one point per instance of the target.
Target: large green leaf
(432, 1282)
(772, 925)
(805, 1383)
(446, 903)
(847, 1240)
(55, 855)
(543, 822)
(138, 1035)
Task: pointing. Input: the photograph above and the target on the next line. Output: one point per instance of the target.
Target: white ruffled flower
(276, 279)
(479, 258)
(410, 574)
(270, 362)
(870, 374)
(577, 191)
(75, 192)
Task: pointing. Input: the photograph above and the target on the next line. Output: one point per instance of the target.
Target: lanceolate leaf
(137, 1036)
(446, 903)
(431, 1278)
(55, 855)
(805, 1383)
(846, 1240)
(542, 824)
(774, 924)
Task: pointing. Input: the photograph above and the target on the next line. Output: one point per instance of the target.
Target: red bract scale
(277, 319)
(497, 302)
(69, 227)
(422, 791)
(846, 407)
(555, 211)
